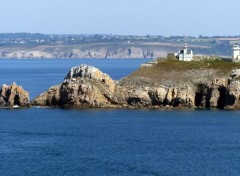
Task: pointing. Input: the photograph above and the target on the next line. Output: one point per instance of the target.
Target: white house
(184, 54)
(236, 52)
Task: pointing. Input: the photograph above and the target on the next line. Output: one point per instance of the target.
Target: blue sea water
(51, 141)
(37, 76)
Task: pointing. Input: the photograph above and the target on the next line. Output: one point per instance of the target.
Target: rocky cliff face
(71, 52)
(86, 86)
(13, 95)
(232, 91)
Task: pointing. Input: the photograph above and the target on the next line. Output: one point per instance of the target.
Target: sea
(102, 142)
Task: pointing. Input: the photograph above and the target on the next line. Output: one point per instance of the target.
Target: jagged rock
(214, 97)
(233, 90)
(84, 86)
(85, 71)
(184, 97)
(171, 95)
(87, 86)
(139, 98)
(48, 98)
(235, 74)
(13, 95)
(161, 93)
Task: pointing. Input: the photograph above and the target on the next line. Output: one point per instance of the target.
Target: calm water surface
(37, 76)
(51, 141)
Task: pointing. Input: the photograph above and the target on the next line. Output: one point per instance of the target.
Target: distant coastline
(41, 46)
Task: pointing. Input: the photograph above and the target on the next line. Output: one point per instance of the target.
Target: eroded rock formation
(84, 86)
(87, 86)
(13, 96)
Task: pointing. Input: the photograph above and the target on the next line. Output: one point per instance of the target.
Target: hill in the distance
(27, 45)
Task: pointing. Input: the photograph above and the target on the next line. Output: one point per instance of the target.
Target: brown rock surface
(13, 95)
(86, 86)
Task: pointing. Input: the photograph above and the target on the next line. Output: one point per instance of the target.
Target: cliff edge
(162, 83)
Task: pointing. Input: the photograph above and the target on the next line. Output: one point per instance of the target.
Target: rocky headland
(13, 96)
(158, 84)
(52, 46)
(76, 52)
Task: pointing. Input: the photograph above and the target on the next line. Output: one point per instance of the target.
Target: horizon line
(200, 35)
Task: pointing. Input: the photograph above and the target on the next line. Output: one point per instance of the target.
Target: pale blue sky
(140, 17)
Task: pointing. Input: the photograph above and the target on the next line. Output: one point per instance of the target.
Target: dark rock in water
(13, 96)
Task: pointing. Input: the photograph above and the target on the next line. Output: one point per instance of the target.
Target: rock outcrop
(87, 86)
(84, 86)
(13, 96)
(232, 99)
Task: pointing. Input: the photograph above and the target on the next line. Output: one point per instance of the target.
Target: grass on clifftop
(175, 70)
(176, 65)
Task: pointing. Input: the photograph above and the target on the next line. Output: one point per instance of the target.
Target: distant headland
(35, 45)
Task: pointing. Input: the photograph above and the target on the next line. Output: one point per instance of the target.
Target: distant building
(236, 52)
(184, 54)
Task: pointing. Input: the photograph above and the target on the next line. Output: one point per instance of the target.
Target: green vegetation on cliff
(171, 70)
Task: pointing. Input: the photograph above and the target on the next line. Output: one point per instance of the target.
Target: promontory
(157, 84)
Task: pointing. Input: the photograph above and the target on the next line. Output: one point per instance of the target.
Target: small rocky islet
(13, 96)
(158, 84)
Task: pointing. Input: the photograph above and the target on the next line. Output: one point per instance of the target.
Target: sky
(121, 17)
